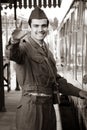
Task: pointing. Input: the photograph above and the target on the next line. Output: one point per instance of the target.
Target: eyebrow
(40, 25)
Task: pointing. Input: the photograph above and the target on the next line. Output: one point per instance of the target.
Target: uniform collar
(36, 45)
(39, 46)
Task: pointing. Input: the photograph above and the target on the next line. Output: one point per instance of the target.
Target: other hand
(18, 33)
(83, 94)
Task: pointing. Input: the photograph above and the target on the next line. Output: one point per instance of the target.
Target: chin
(41, 38)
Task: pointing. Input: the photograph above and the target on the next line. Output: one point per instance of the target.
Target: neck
(40, 42)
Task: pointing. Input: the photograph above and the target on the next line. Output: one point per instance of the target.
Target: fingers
(20, 25)
(17, 31)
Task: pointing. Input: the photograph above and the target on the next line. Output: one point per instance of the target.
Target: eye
(36, 26)
(44, 25)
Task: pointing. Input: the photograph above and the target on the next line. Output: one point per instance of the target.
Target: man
(37, 75)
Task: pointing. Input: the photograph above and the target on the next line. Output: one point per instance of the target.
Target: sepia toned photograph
(43, 65)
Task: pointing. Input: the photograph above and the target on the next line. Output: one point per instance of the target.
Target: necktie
(44, 49)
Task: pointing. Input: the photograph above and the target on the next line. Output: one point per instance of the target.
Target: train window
(73, 35)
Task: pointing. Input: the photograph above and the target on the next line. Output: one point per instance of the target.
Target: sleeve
(67, 88)
(14, 52)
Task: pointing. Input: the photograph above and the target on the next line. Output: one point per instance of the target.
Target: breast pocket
(40, 70)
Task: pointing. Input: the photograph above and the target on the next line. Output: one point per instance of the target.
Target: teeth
(40, 34)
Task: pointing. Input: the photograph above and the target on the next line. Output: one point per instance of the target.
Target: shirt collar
(40, 44)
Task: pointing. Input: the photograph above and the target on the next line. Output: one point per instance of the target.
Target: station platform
(7, 119)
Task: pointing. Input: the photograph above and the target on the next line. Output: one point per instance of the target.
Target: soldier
(37, 75)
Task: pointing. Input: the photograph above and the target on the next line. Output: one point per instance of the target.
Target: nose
(40, 28)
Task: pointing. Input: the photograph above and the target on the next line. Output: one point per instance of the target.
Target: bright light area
(51, 12)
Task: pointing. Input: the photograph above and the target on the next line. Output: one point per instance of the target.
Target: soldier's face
(39, 29)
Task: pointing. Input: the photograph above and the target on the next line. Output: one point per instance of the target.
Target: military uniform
(33, 74)
(37, 75)
(35, 112)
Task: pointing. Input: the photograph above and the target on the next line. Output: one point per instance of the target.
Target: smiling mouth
(40, 34)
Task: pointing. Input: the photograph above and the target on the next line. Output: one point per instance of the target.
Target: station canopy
(31, 3)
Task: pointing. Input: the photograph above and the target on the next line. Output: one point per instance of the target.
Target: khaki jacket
(33, 72)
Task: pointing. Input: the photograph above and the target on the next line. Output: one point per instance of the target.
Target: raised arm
(14, 50)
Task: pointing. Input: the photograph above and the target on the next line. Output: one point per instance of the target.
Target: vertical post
(86, 57)
(75, 55)
(2, 101)
(15, 14)
(15, 18)
(82, 36)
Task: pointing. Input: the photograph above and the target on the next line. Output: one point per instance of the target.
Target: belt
(40, 94)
